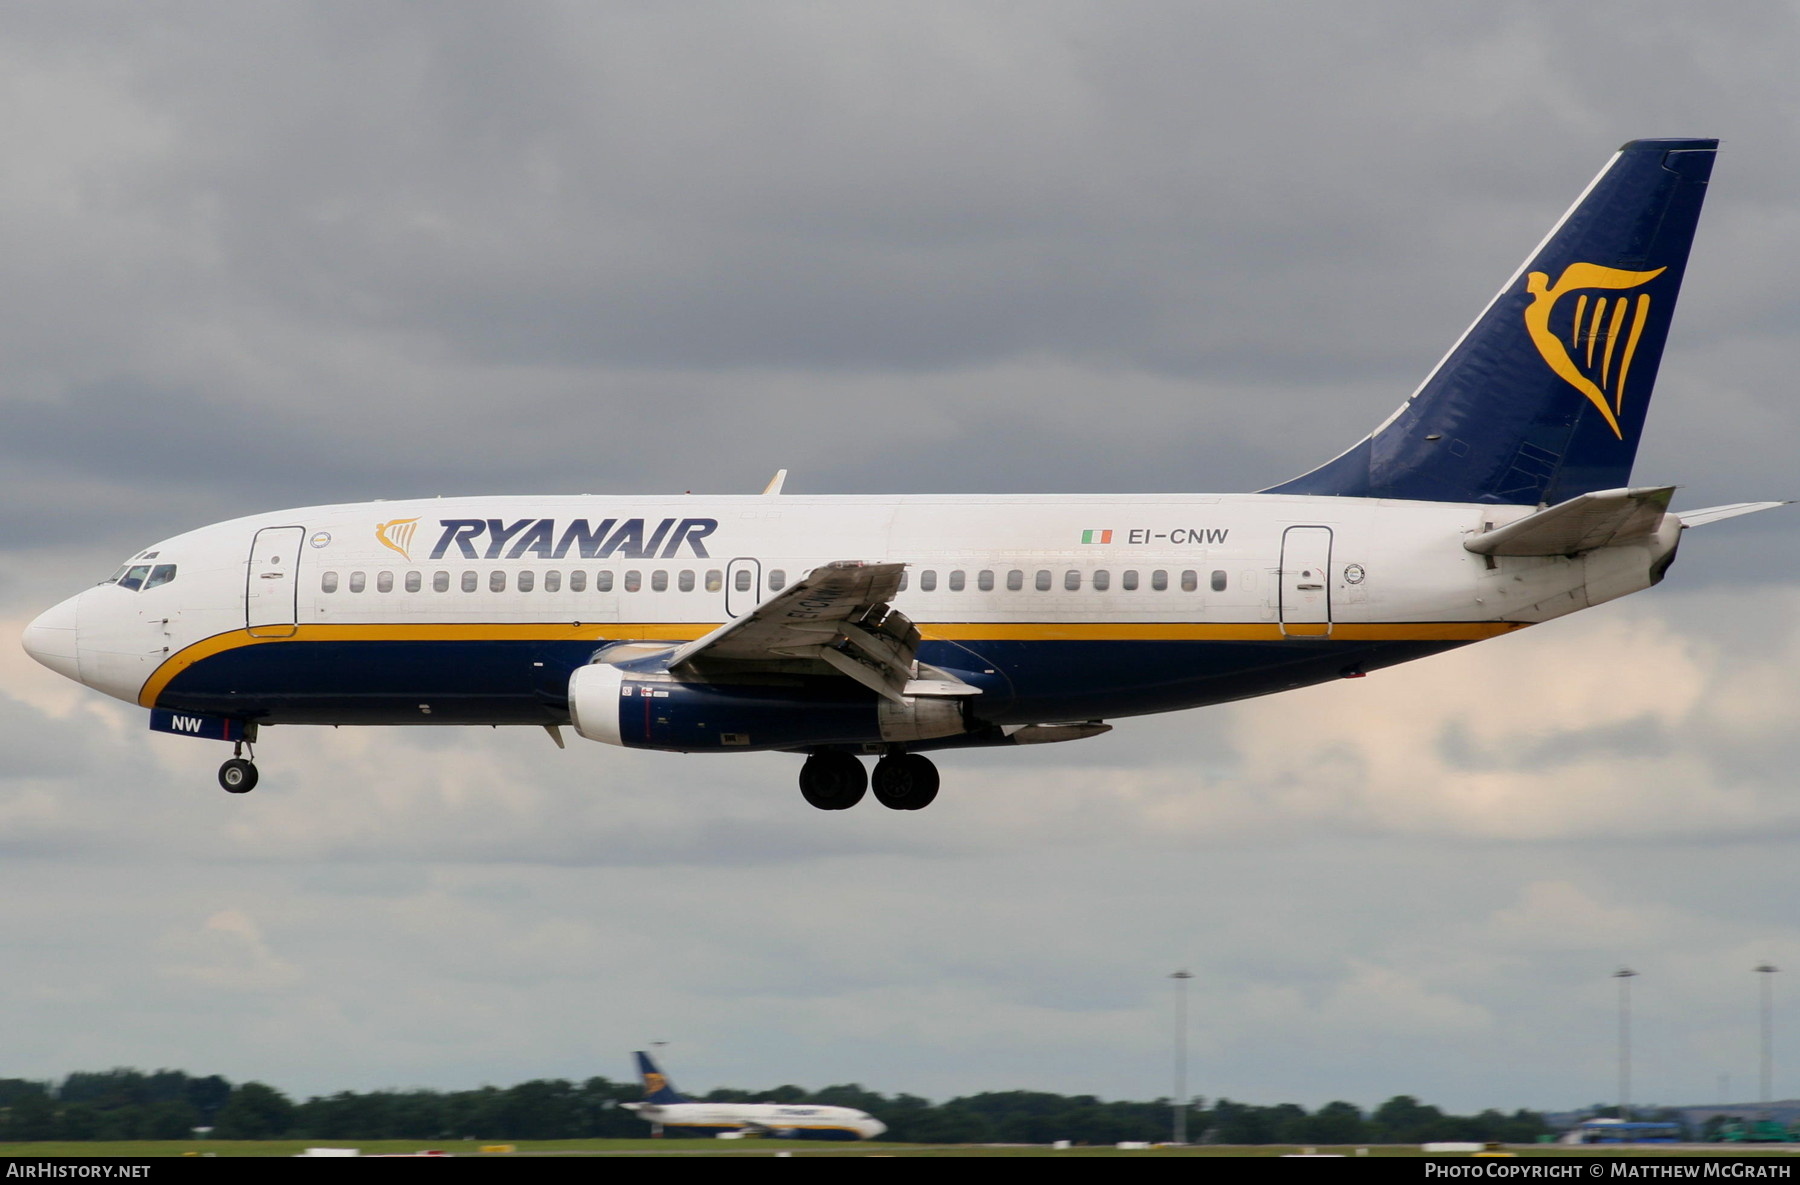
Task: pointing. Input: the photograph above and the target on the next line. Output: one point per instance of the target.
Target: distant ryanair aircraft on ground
(1496, 497)
(671, 1113)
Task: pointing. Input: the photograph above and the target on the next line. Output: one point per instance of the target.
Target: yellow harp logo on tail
(1593, 351)
(397, 535)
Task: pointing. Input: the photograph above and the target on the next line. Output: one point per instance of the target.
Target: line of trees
(124, 1104)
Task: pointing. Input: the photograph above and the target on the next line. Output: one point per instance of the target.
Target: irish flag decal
(1096, 536)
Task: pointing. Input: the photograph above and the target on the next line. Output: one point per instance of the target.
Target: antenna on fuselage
(775, 483)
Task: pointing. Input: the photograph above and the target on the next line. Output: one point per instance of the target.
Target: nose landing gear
(238, 775)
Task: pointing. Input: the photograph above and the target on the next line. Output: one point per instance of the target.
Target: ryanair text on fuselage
(539, 537)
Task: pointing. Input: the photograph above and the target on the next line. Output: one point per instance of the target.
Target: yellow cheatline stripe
(959, 631)
(1213, 631)
(540, 631)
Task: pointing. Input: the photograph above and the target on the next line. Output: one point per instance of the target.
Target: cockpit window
(138, 576)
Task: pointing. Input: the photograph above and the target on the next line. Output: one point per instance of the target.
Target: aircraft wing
(839, 616)
(1713, 514)
(1603, 518)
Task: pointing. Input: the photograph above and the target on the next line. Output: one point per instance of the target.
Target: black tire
(237, 776)
(833, 781)
(907, 782)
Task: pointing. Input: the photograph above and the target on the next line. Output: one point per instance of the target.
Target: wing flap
(838, 616)
(1603, 518)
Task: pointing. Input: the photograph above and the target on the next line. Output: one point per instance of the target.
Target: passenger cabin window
(470, 582)
(497, 580)
(358, 581)
(527, 580)
(328, 582)
(928, 580)
(1128, 580)
(956, 580)
(603, 582)
(1102, 580)
(1043, 580)
(659, 580)
(742, 580)
(1190, 581)
(440, 582)
(715, 580)
(1218, 580)
(552, 581)
(413, 582)
(685, 582)
(1015, 580)
(1072, 580)
(634, 580)
(984, 580)
(577, 581)
(384, 582)
(777, 579)
(1159, 580)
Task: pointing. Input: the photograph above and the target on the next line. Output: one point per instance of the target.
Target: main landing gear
(238, 775)
(837, 781)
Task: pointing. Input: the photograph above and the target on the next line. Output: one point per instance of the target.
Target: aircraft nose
(51, 639)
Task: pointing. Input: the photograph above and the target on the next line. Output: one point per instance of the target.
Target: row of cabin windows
(714, 580)
(1044, 580)
(527, 581)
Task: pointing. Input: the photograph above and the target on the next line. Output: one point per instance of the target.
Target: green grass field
(138, 1149)
(141, 1149)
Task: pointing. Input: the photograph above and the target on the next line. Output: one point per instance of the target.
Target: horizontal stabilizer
(1714, 514)
(1604, 518)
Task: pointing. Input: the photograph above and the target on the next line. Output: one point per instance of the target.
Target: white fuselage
(475, 610)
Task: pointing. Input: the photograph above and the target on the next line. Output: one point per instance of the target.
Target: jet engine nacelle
(637, 711)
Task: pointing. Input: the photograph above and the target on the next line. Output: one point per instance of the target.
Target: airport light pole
(1624, 975)
(1181, 1030)
(1766, 972)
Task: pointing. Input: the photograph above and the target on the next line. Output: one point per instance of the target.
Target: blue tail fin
(656, 1087)
(1544, 397)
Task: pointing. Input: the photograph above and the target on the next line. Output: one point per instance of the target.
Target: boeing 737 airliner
(1497, 496)
(674, 1114)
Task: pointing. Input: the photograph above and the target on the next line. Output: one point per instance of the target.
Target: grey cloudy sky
(287, 254)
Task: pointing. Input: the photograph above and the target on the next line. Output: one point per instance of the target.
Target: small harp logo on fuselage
(396, 535)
